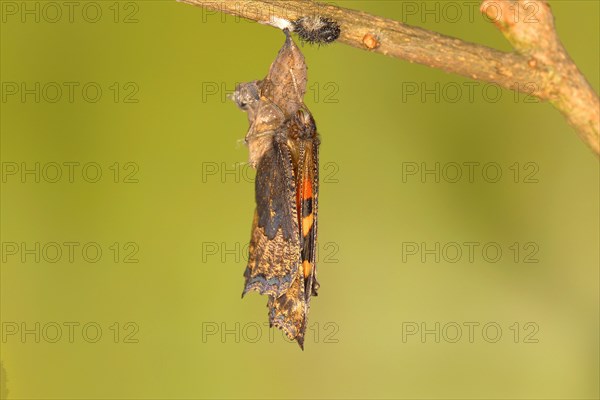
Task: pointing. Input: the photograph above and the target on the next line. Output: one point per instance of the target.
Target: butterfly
(283, 146)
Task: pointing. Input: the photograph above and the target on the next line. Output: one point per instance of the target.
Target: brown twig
(539, 66)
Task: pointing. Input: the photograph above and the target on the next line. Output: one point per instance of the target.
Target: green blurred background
(179, 201)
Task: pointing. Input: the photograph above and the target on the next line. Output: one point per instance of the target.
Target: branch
(539, 66)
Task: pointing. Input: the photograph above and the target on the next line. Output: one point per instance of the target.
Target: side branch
(540, 66)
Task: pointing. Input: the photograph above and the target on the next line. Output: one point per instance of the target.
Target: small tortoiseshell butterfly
(283, 147)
